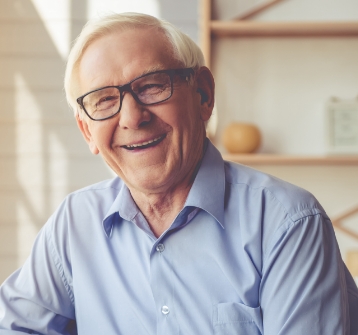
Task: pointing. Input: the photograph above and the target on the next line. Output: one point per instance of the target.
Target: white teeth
(144, 143)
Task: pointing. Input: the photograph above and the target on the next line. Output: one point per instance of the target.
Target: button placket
(162, 288)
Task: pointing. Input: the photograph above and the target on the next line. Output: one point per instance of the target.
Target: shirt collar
(123, 206)
(207, 192)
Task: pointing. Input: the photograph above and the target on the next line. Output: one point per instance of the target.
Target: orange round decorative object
(241, 138)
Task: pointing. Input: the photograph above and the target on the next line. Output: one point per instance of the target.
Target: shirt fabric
(248, 254)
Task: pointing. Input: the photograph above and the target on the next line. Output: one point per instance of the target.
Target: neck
(160, 209)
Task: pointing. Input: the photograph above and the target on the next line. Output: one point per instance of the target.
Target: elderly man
(180, 242)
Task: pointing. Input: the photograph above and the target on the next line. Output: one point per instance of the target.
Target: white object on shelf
(342, 126)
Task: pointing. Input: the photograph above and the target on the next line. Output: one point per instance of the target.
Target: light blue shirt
(248, 254)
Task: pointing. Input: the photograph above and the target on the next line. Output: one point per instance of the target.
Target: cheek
(186, 118)
(103, 133)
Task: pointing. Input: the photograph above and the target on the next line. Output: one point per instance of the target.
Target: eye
(151, 88)
(103, 98)
(106, 99)
(107, 102)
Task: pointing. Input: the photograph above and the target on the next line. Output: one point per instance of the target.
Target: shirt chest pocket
(231, 318)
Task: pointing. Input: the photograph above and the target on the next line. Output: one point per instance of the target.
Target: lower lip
(147, 148)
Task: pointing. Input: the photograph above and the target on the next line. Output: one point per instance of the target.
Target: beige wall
(282, 85)
(42, 155)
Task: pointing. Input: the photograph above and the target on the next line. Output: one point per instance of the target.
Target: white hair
(184, 48)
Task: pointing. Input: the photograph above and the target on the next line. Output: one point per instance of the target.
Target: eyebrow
(152, 69)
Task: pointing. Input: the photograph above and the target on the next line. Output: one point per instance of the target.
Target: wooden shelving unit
(243, 28)
(269, 159)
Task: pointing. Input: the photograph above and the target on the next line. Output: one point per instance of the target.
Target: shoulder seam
(265, 189)
(291, 224)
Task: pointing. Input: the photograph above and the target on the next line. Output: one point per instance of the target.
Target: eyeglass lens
(149, 89)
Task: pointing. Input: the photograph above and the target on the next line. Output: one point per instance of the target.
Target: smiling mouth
(145, 145)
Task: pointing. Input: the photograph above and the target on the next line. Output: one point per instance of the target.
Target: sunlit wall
(42, 154)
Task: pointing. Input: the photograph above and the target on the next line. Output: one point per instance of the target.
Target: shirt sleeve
(303, 288)
(37, 299)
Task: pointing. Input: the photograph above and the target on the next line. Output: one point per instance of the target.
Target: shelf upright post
(205, 30)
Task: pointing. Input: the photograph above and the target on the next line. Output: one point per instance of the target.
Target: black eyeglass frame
(185, 72)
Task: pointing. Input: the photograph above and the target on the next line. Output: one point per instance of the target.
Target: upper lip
(143, 142)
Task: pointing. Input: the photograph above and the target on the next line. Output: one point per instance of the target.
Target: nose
(132, 114)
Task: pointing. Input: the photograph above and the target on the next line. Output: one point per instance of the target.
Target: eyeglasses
(148, 89)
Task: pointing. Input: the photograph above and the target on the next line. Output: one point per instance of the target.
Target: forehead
(120, 56)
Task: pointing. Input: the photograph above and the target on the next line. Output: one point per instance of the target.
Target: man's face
(175, 126)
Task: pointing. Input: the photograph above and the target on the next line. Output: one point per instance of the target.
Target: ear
(83, 126)
(206, 89)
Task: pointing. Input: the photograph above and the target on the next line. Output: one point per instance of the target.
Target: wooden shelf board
(270, 159)
(290, 29)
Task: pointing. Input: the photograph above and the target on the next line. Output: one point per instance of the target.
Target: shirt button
(165, 310)
(160, 247)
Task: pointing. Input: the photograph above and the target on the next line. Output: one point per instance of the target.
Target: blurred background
(280, 83)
